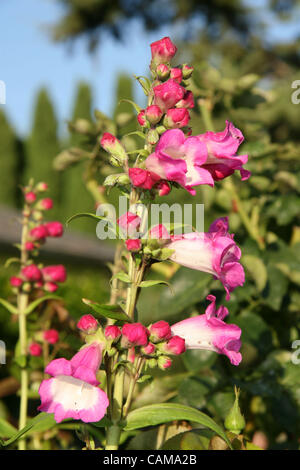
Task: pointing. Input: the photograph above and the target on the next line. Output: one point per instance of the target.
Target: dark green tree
(8, 162)
(43, 146)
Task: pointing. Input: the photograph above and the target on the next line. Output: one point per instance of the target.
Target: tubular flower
(168, 94)
(210, 332)
(214, 252)
(72, 391)
(222, 146)
(180, 159)
(143, 178)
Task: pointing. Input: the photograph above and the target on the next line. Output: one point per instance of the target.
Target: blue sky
(29, 60)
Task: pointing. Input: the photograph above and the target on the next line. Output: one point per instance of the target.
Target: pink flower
(143, 178)
(222, 146)
(210, 332)
(175, 345)
(167, 94)
(176, 74)
(30, 197)
(31, 273)
(163, 50)
(35, 349)
(55, 273)
(46, 203)
(153, 114)
(163, 188)
(134, 334)
(164, 362)
(49, 286)
(162, 71)
(160, 331)
(15, 281)
(149, 349)
(54, 229)
(159, 232)
(177, 117)
(29, 246)
(88, 324)
(113, 146)
(141, 118)
(38, 233)
(129, 222)
(187, 101)
(112, 332)
(133, 244)
(180, 159)
(72, 391)
(51, 336)
(214, 252)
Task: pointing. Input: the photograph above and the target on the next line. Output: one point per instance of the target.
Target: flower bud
(235, 421)
(187, 100)
(160, 331)
(167, 94)
(153, 136)
(38, 233)
(133, 244)
(54, 229)
(27, 287)
(164, 362)
(163, 188)
(143, 178)
(151, 362)
(176, 74)
(176, 346)
(15, 281)
(187, 71)
(35, 349)
(30, 197)
(142, 119)
(45, 204)
(31, 273)
(88, 324)
(49, 286)
(134, 334)
(51, 336)
(153, 114)
(162, 51)
(149, 349)
(176, 118)
(129, 223)
(37, 216)
(163, 72)
(56, 273)
(113, 146)
(112, 333)
(159, 232)
(29, 246)
(41, 187)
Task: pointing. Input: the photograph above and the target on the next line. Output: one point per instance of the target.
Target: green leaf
(11, 308)
(136, 106)
(122, 277)
(108, 311)
(138, 133)
(153, 415)
(84, 214)
(155, 282)
(257, 270)
(9, 261)
(6, 429)
(31, 307)
(103, 423)
(21, 360)
(43, 421)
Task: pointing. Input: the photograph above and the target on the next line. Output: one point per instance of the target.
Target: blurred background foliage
(239, 76)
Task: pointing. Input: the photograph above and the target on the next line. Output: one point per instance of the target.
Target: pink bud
(54, 229)
(35, 349)
(176, 118)
(31, 273)
(163, 50)
(187, 101)
(39, 233)
(159, 232)
(51, 336)
(113, 146)
(46, 203)
(133, 244)
(149, 349)
(112, 332)
(49, 286)
(15, 281)
(88, 324)
(56, 273)
(29, 246)
(30, 197)
(153, 113)
(160, 331)
(167, 94)
(176, 345)
(41, 187)
(164, 362)
(141, 118)
(176, 74)
(129, 222)
(134, 334)
(187, 71)
(163, 71)
(38, 284)
(143, 178)
(163, 188)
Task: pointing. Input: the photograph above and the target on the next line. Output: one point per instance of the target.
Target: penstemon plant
(122, 353)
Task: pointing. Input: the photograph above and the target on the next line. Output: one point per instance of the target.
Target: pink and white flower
(211, 333)
(143, 178)
(180, 159)
(167, 94)
(72, 391)
(222, 146)
(214, 252)
(129, 223)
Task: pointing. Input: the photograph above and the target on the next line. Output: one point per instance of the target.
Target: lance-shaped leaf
(41, 422)
(155, 282)
(115, 312)
(11, 308)
(31, 307)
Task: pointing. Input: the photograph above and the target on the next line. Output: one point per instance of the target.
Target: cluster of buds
(33, 275)
(48, 336)
(155, 344)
